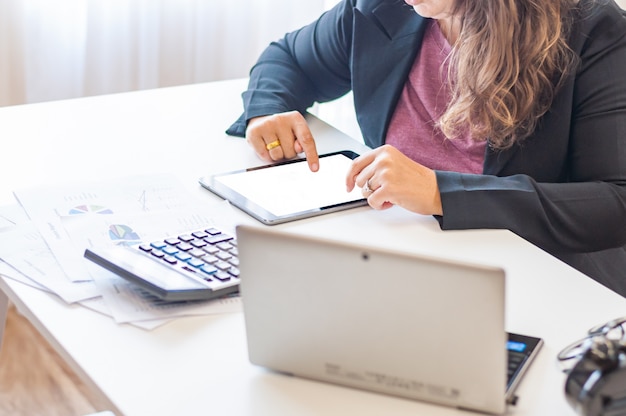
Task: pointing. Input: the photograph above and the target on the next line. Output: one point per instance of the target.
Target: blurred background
(52, 50)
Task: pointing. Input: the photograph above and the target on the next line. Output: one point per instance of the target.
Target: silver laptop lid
(390, 322)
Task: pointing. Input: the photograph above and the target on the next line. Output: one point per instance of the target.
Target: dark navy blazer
(563, 188)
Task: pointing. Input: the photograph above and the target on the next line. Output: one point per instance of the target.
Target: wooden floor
(34, 380)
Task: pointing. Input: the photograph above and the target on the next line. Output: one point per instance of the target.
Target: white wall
(71, 48)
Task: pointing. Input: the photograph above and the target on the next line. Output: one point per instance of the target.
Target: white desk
(199, 365)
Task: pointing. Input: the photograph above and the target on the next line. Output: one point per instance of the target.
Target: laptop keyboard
(516, 361)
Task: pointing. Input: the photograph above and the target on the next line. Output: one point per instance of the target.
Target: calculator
(197, 265)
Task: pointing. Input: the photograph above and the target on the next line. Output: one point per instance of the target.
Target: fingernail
(315, 167)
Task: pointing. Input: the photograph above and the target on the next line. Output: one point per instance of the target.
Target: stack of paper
(42, 241)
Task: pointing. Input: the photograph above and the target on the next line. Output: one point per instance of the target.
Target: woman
(507, 114)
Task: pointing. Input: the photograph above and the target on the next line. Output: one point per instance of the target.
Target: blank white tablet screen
(289, 188)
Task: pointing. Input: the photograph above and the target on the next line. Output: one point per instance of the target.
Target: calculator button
(182, 256)
(211, 249)
(170, 259)
(200, 234)
(214, 239)
(185, 237)
(208, 269)
(145, 247)
(222, 255)
(224, 246)
(171, 250)
(195, 263)
(157, 254)
(222, 265)
(210, 259)
(172, 241)
(196, 252)
(222, 276)
(158, 244)
(184, 246)
(197, 243)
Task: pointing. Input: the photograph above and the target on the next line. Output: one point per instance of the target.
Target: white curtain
(71, 48)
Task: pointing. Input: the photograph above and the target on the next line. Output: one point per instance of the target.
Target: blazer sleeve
(583, 210)
(309, 65)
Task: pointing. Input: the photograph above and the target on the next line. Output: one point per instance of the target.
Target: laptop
(390, 322)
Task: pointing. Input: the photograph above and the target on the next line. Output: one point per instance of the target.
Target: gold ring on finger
(272, 145)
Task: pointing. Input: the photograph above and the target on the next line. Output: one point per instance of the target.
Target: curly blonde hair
(509, 60)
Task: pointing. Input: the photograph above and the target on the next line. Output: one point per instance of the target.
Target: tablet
(289, 191)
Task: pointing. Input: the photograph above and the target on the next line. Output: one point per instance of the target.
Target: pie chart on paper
(120, 232)
(89, 209)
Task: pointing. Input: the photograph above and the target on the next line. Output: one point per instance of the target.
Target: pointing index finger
(305, 139)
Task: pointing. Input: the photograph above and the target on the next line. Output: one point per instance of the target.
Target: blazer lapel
(389, 39)
(497, 160)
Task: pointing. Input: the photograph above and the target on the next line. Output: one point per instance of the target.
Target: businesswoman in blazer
(507, 114)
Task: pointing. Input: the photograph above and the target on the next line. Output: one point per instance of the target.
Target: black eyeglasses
(603, 341)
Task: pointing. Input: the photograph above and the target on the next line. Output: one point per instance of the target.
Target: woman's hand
(282, 136)
(387, 178)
